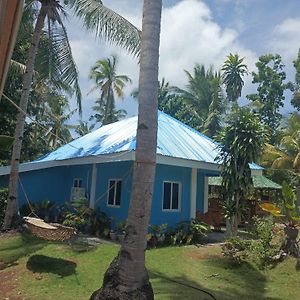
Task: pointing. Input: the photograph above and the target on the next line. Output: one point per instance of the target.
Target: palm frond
(108, 24)
(58, 63)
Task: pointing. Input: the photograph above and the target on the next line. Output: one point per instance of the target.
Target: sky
(195, 31)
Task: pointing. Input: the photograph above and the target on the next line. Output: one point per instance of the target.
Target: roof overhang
(116, 157)
(10, 16)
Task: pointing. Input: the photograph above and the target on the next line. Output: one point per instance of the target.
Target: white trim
(115, 192)
(205, 195)
(179, 196)
(103, 158)
(93, 186)
(188, 163)
(193, 193)
(115, 157)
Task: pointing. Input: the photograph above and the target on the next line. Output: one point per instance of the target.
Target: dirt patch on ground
(9, 284)
(205, 252)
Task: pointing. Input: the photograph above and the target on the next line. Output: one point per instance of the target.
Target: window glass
(111, 193)
(175, 195)
(118, 193)
(77, 182)
(114, 194)
(167, 195)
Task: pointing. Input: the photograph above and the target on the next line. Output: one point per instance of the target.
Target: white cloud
(286, 38)
(189, 35)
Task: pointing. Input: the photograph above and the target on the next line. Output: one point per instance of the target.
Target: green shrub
(186, 232)
(85, 219)
(157, 235)
(263, 249)
(3, 202)
(235, 249)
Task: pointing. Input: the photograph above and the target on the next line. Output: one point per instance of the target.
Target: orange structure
(10, 15)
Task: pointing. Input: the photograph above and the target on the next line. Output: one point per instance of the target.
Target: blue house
(99, 166)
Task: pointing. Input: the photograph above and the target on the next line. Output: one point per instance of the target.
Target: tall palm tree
(127, 277)
(109, 83)
(203, 94)
(55, 119)
(96, 17)
(233, 71)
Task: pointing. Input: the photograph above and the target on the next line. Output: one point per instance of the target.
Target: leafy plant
(290, 213)
(187, 232)
(264, 249)
(157, 234)
(3, 201)
(235, 249)
(241, 143)
(87, 220)
(289, 216)
(120, 227)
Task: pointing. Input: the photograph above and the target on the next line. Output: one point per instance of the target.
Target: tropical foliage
(270, 78)
(110, 85)
(241, 143)
(57, 63)
(233, 71)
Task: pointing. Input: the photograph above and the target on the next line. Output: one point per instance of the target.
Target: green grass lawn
(44, 270)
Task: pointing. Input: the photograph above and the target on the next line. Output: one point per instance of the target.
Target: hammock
(51, 231)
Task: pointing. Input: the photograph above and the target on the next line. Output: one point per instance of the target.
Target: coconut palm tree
(127, 277)
(56, 115)
(96, 17)
(233, 71)
(203, 95)
(109, 83)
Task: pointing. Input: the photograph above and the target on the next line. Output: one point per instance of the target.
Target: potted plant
(289, 216)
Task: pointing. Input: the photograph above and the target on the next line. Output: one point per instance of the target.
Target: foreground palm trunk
(127, 277)
(11, 212)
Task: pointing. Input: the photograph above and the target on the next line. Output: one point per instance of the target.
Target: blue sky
(197, 32)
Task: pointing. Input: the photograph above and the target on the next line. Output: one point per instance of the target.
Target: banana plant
(290, 212)
(290, 217)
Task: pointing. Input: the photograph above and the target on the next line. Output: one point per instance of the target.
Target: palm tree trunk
(11, 213)
(127, 275)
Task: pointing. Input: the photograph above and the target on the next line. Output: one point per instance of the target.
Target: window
(114, 194)
(77, 182)
(171, 196)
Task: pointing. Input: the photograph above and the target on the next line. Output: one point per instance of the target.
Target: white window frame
(179, 196)
(115, 192)
(78, 180)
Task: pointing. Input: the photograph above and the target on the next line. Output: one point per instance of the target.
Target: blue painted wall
(171, 173)
(55, 184)
(115, 170)
(123, 170)
(4, 181)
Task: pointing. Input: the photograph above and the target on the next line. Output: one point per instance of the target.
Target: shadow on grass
(80, 244)
(15, 247)
(47, 264)
(243, 282)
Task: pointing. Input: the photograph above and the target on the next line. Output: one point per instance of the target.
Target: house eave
(115, 157)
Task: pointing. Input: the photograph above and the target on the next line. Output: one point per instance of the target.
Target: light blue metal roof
(174, 139)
